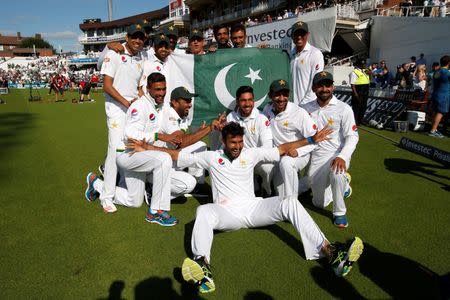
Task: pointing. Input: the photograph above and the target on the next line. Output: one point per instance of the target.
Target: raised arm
(320, 136)
(139, 146)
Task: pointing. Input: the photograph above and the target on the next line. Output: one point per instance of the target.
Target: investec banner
(321, 24)
(426, 150)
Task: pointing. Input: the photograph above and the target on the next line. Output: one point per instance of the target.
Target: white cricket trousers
(115, 120)
(326, 185)
(288, 168)
(266, 171)
(180, 183)
(257, 212)
(136, 167)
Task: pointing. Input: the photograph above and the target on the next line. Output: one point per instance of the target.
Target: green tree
(38, 43)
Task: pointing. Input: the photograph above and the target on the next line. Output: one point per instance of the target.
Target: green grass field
(56, 245)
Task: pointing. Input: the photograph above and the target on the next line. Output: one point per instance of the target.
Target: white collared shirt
(126, 71)
(339, 116)
(231, 181)
(170, 122)
(152, 65)
(142, 121)
(257, 128)
(304, 65)
(291, 125)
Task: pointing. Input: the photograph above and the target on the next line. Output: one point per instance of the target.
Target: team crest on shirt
(152, 117)
(253, 129)
(302, 61)
(314, 126)
(107, 59)
(221, 161)
(354, 127)
(158, 68)
(317, 67)
(242, 163)
(134, 112)
(124, 59)
(267, 123)
(330, 121)
(286, 124)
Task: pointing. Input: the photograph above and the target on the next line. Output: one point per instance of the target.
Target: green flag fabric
(217, 76)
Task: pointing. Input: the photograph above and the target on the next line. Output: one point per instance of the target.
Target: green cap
(321, 76)
(159, 38)
(132, 29)
(182, 92)
(196, 33)
(171, 30)
(299, 25)
(279, 85)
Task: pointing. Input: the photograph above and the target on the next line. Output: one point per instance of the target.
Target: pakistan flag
(215, 77)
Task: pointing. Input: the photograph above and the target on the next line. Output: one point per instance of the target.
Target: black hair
(244, 89)
(237, 27)
(413, 58)
(155, 77)
(435, 64)
(233, 129)
(444, 60)
(218, 27)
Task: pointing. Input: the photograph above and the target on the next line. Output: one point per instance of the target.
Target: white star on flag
(253, 75)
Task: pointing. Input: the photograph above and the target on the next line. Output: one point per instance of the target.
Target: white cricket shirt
(339, 116)
(126, 71)
(231, 181)
(257, 128)
(142, 121)
(304, 65)
(291, 125)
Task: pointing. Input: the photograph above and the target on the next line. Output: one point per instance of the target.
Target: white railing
(117, 37)
(237, 12)
(347, 60)
(414, 11)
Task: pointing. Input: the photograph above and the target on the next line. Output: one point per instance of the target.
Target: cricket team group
(150, 144)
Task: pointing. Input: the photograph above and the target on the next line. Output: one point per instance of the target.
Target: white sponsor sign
(277, 34)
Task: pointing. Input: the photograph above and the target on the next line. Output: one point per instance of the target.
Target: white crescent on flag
(222, 92)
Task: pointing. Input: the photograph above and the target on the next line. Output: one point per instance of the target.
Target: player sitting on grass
(235, 205)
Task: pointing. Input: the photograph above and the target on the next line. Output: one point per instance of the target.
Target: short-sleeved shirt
(291, 125)
(339, 117)
(170, 122)
(152, 65)
(126, 71)
(231, 181)
(304, 65)
(257, 128)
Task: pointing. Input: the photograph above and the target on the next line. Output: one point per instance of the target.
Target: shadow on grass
(115, 291)
(12, 126)
(420, 169)
(257, 295)
(398, 276)
(155, 288)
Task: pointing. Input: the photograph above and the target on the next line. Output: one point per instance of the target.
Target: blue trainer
(340, 221)
(436, 134)
(161, 217)
(91, 194)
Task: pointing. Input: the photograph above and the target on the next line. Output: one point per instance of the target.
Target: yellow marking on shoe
(191, 271)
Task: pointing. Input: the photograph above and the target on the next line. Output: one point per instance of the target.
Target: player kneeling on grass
(142, 123)
(235, 205)
(330, 159)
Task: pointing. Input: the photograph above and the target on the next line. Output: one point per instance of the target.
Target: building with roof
(96, 34)
(9, 47)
